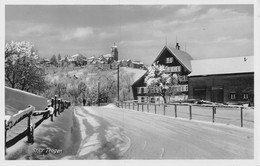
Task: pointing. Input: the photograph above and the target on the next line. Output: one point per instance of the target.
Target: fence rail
(57, 106)
(150, 107)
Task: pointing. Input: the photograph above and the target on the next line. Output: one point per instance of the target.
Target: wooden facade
(225, 88)
(178, 62)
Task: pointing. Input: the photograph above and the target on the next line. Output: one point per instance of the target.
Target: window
(169, 60)
(173, 69)
(232, 96)
(141, 90)
(142, 99)
(245, 96)
(152, 100)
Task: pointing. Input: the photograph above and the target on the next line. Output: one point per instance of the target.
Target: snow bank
(20, 100)
(52, 140)
(16, 118)
(110, 106)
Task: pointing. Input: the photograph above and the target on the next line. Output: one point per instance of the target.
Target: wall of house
(138, 83)
(217, 86)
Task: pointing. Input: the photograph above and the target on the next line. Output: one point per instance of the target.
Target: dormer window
(169, 60)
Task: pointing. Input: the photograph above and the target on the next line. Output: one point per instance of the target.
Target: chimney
(177, 46)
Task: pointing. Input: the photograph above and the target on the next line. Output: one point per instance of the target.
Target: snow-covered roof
(183, 57)
(138, 73)
(108, 56)
(138, 62)
(222, 66)
(77, 55)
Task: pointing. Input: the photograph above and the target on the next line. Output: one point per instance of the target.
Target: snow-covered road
(114, 133)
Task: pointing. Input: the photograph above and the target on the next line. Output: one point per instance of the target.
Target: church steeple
(114, 52)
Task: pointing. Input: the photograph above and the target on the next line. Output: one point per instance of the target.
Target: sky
(139, 31)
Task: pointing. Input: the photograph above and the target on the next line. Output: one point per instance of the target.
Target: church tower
(114, 52)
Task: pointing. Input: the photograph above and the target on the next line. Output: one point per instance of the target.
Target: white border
(256, 3)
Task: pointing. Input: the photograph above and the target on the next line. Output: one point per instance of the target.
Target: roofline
(165, 47)
(160, 53)
(179, 59)
(139, 79)
(206, 75)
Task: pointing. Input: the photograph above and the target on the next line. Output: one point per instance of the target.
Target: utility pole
(98, 94)
(118, 82)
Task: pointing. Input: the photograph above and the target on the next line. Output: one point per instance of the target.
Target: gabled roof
(183, 57)
(222, 66)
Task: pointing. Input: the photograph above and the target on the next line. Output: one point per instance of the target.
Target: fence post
(213, 114)
(163, 109)
(137, 106)
(55, 105)
(29, 128)
(190, 112)
(5, 136)
(133, 105)
(52, 105)
(31, 134)
(155, 108)
(175, 110)
(142, 107)
(148, 107)
(241, 114)
(59, 104)
(129, 105)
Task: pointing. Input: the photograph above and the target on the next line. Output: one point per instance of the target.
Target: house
(223, 80)
(177, 61)
(78, 59)
(137, 64)
(45, 61)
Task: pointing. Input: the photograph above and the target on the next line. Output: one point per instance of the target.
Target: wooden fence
(140, 107)
(56, 108)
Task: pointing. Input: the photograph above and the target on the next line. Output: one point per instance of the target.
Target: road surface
(114, 133)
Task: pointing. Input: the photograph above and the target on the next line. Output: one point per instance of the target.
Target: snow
(125, 134)
(138, 73)
(60, 138)
(13, 119)
(101, 141)
(20, 100)
(155, 137)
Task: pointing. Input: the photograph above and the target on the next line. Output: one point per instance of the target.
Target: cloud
(79, 33)
(188, 11)
(36, 30)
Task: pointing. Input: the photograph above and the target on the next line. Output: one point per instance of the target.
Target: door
(217, 94)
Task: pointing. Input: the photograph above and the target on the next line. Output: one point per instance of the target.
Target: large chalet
(177, 61)
(222, 80)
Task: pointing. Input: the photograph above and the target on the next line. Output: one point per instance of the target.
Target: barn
(223, 80)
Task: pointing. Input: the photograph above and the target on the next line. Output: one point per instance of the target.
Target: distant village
(104, 61)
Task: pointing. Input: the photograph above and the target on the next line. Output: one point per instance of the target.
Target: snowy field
(229, 116)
